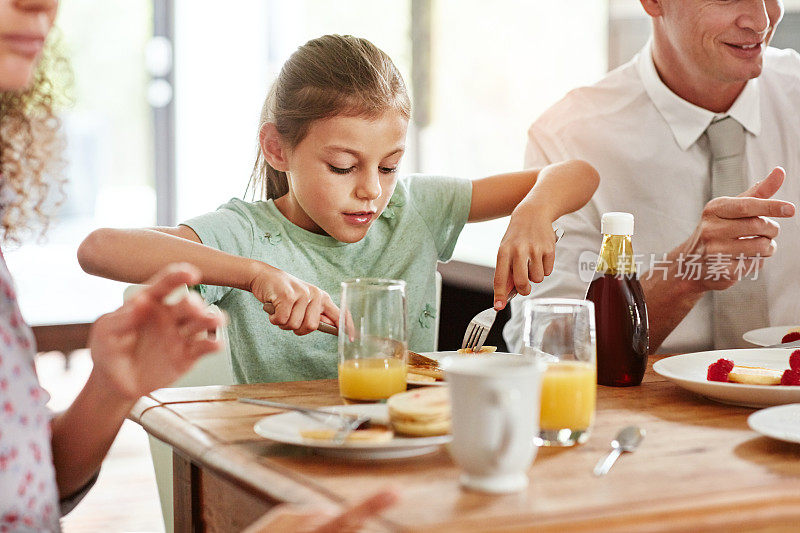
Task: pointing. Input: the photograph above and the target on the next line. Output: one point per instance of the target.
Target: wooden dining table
(700, 468)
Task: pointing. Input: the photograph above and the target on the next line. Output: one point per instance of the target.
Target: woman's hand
(298, 306)
(147, 344)
(296, 519)
(527, 253)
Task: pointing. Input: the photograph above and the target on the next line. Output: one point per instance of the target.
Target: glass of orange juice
(373, 339)
(560, 333)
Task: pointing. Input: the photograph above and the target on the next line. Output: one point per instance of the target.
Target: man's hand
(734, 234)
(730, 227)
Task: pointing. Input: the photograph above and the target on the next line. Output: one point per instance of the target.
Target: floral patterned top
(28, 491)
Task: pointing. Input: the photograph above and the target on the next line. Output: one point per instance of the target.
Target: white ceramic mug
(495, 415)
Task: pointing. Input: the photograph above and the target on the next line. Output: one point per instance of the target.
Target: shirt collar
(686, 120)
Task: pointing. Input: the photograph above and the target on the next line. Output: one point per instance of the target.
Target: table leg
(186, 494)
(204, 501)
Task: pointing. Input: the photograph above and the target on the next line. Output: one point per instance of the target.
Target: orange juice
(568, 394)
(371, 378)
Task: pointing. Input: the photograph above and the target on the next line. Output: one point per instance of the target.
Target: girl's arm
(133, 255)
(534, 199)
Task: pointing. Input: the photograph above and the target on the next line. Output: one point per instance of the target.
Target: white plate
(690, 370)
(438, 356)
(767, 336)
(781, 422)
(286, 427)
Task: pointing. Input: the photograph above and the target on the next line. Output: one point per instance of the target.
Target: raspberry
(719, 371)
(794, 360)
(792, 336)
(790, 377)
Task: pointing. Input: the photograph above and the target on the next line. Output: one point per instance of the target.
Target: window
(221, 82)
(491, 71)
(110, 157)
(496, 67)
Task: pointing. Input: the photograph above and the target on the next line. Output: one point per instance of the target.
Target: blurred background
(167, 95)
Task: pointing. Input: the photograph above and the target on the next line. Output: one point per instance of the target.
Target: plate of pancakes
(410, 423)
(424, 369)
(758, 371)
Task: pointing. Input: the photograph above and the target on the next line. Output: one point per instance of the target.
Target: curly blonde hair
(31, 146)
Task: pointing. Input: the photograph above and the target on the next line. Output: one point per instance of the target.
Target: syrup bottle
(620, 310)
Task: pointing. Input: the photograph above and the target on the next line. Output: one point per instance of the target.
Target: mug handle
(505, 399)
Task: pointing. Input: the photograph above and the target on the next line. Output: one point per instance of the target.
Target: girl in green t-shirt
(331, 137)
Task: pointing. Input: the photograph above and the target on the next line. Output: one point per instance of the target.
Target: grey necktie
(743, 306)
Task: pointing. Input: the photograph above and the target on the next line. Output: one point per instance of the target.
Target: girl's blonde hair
(328, 76)
(31, 164)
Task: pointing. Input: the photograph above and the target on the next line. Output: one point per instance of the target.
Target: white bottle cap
(616, 223)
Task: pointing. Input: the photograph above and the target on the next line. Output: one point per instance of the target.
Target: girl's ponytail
(328, 76)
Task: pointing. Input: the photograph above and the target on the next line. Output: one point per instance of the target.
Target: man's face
(721, 40)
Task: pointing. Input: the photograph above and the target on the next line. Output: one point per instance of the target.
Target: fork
(347, 423)
(478, 328)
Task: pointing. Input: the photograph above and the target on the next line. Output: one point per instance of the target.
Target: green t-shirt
(419, 227)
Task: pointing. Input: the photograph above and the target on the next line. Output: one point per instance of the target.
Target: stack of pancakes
(423, 412)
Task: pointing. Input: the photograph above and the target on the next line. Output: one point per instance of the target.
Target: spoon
(627, 440)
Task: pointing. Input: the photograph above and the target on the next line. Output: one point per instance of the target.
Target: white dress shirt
(654, 161)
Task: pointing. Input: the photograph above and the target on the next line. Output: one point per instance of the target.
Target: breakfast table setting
(699, 468)
(583, 429)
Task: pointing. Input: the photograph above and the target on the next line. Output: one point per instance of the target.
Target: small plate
(286, 427)
(767, 336)
(690, 370)
(781, 422)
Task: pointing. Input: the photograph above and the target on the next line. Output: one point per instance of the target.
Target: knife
(323, 326)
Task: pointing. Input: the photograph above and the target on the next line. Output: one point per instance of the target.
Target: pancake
(755, 375)
(419, 378)
(428, 371)
(484, 349)
(371, 434)
(421, 412)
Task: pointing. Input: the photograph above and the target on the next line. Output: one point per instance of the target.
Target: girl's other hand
(298, 306)
(526, 254)
(147, 344)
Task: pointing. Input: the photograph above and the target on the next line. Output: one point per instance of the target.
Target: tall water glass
(561, 334)
(373, 339)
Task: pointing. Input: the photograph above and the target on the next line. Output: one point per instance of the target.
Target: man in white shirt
(644, 127)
